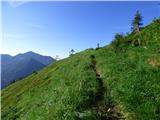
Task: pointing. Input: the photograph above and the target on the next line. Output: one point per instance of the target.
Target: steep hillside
(111, 83)
(21, 65)
(133, 74)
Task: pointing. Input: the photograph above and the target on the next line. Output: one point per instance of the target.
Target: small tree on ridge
(137, 22)
(71, 52)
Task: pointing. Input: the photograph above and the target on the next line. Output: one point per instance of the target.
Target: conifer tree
(137, 22)
(71, 52)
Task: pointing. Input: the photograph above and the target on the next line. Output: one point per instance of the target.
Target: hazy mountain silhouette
(21, 65)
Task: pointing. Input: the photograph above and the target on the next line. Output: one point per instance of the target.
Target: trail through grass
(103, 110)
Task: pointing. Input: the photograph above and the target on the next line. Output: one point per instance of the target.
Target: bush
(35, 72)
(118, 42)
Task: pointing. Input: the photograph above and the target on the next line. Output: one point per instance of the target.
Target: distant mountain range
(21, 65)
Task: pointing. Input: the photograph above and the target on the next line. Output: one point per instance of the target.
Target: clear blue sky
(54, 28)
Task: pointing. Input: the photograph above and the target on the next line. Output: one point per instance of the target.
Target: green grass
(63, 90)
(54, 92)
(134, 84)
(133, 75)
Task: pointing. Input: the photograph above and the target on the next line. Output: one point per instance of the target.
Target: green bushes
(118, 40)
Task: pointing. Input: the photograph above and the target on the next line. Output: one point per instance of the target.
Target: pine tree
(137, 22)
(98, 46)
(71, 52)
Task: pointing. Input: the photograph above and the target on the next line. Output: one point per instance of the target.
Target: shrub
(118, 42)
(35, 72)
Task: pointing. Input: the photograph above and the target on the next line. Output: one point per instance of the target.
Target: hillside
(118, 81)
(21, 65)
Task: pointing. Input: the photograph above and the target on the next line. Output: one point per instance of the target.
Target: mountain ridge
(13, 66)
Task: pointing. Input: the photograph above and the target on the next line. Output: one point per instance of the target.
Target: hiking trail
(104, 110)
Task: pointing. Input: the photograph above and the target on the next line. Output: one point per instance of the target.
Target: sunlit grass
(60, 91)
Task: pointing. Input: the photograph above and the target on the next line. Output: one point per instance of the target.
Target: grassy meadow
(70, 88)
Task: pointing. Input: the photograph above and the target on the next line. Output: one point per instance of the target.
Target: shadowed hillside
(17, 67)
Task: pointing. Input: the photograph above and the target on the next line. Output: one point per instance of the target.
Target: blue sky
(54, 28)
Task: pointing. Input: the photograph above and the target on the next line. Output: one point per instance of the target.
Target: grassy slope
(133, 75)
(54, 92)
(62, 91)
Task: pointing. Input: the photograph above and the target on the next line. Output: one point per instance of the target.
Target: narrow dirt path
(104, 110)
(101, 88)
